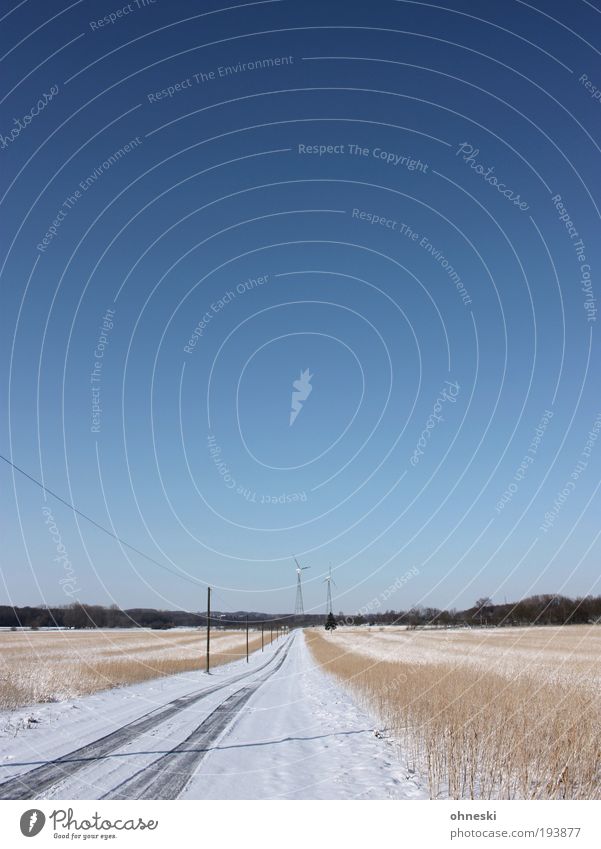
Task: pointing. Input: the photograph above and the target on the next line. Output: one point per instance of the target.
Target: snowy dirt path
(276, 728)
(302, 737)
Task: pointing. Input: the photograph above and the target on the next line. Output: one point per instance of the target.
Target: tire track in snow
(36, 781)
(166, 777)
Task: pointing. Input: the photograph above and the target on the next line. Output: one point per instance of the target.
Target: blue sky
(209, 238)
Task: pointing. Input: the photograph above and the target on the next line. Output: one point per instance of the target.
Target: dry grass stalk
(477, 734)
(49, 667)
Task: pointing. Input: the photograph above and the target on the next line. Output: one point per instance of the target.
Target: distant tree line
(78, 615)
(534, 610)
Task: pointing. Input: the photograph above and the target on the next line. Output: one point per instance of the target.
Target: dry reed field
(43, 666)
(553, 654)
(520, 721)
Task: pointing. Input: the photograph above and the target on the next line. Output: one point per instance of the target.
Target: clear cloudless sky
(199, 203)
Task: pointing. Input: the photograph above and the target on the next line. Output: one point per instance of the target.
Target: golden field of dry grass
(549, 653)
(47, 666)
(495, 715)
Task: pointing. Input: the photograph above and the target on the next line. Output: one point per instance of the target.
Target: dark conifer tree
(331, 623)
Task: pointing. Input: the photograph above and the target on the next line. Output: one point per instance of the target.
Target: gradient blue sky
(215, 193)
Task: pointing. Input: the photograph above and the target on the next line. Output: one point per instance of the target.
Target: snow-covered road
(277, 728)
(302, 737)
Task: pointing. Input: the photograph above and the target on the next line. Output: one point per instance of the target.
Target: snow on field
(41, 732)
(299, 737)
(571, 653)
(37, 666)
(105, 643)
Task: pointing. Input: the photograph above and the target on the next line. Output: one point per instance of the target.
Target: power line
(98, 525)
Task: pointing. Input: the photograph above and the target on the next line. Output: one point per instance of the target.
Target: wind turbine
(298, 606)
(329, 581)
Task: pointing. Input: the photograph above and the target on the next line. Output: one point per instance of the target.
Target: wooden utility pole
(247, 637)
(262, 641)
(208, 628)
(271, 634)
